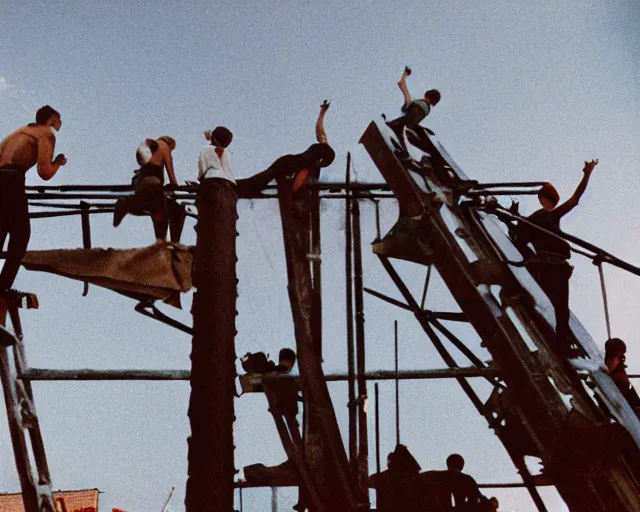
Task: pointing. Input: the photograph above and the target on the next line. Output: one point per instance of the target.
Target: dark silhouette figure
(615, 359)
(30, 145)
(550, 267)
(302, 167)
(452, 490)
(398, 487)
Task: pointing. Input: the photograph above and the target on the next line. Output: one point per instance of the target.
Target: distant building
(66, 501)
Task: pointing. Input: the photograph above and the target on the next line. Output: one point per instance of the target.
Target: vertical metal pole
(395, 356)
(377, 396)
(604, 299)
(351, 366)
(377, 203)
(274, 499)
(241, 504)
(86, 235)
(363, 437)
(211, 405)
(316, 267)
(426, 287)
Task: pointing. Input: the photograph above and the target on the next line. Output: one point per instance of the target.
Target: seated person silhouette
(397, 488)
(615, 359)
(452, 490)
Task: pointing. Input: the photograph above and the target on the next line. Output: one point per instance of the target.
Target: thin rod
(377, 419)
(351, 365)
(426, 287)
(363, 433)
(604, 299)
(378, 236)
(194, 188)
(397, 380)
(385, 298)
(599, 254)
(509, 184)
(446, 356)
(243, 484)
(44, 374)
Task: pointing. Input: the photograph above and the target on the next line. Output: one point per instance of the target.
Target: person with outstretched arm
(416, 110)
(33, 144)
(302, 167)
(549, 267)
(153, 157)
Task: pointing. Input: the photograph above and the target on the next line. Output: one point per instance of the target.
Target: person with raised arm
(30, 145)
(153, 157)
(302, 167)
(416, 110)
(549, 267)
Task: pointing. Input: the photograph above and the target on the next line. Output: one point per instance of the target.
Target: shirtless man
(302, 166)
(153, 156)
(550, 267)
(30, 145)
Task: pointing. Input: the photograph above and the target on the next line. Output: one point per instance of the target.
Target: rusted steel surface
(325, 451)
(211, 408)
(565, 434)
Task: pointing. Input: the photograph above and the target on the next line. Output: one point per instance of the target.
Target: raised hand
(60, 159)
(407, 71)
(589, 165)
(325, 105)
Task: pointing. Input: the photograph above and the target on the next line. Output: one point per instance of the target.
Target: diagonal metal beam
(433, 336)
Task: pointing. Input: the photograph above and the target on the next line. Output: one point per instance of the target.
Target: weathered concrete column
(211, 407)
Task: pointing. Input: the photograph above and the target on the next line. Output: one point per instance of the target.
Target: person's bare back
(30, 145)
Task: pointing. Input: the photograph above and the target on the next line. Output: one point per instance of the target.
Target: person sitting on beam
(153, 156)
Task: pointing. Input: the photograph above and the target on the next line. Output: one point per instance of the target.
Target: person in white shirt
(214, 162)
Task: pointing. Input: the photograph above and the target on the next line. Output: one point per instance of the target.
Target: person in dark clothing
(550, 267)
(302, 167)
(30, 145)
(153, 156)
(452, 490)
(615, 359)
(416, 110)
(398, 488)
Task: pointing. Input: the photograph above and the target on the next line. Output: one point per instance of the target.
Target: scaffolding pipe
(43, 374)
(351, 367)
(377, 403)
(363, 436)
(397, 380)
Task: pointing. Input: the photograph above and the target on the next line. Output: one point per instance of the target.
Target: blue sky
(530, 90)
